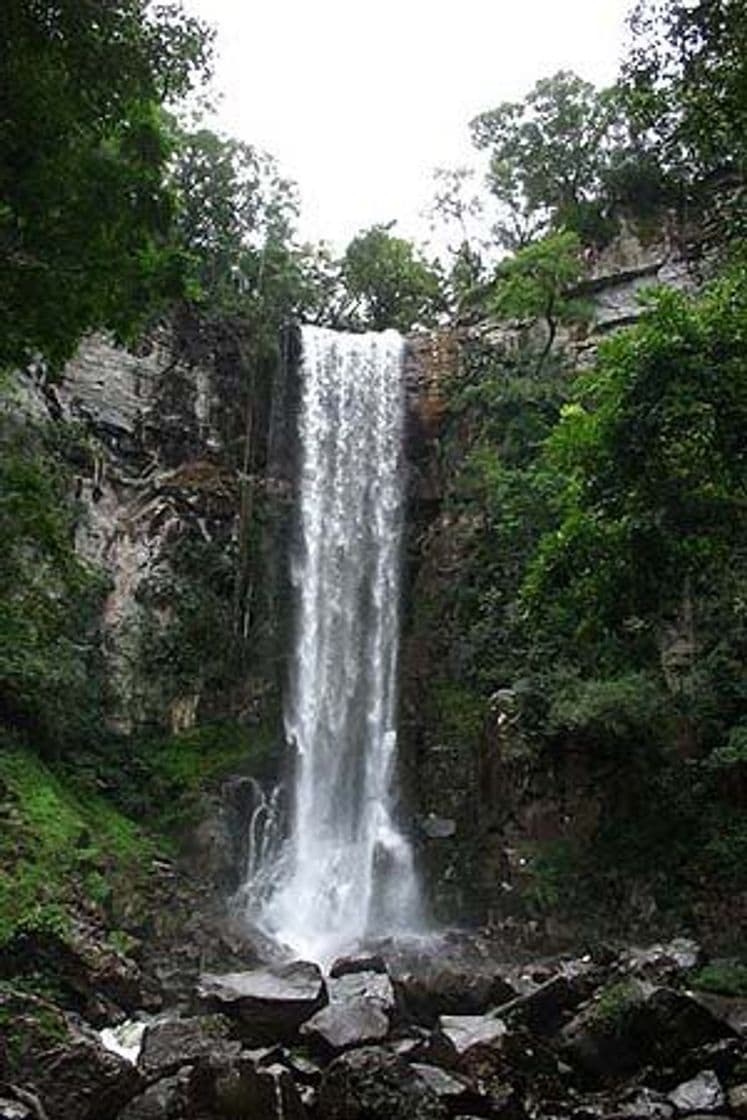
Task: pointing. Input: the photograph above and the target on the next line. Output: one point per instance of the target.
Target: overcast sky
(360, 101)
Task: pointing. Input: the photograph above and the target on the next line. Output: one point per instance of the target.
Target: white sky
(359, 102)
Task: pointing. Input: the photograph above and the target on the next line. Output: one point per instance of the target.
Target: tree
(538, 283)
(388, 282)
(233, 206)
(651, 448)
(548, 154)
(686, 84)
(84, 214)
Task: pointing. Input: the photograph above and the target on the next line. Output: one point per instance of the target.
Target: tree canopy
(85, 215)
(388, 283)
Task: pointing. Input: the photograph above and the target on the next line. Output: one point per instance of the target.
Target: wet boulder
(14, 1110)
(345, 966)
(342, 1025)
(464, 1034)
(80, 1079)
(437, 989)
(270, 1004)
(361, 1007)
(169, 1045)
(701, 1094)
(167, 1099)
(375, 1084)
(452, 1090)
(631, 1024)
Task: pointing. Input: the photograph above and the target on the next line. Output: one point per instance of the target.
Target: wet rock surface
(270, 1003)
(612, 1036)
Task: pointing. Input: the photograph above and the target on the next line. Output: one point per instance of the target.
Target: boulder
(632, 1024)
(663, 963)
(375, 1084)
(642, 1104)
(168, 1046)
(375, 987)
(449, 989)
(339, 1026)
(454, 1091)
(344, 966)
(14, 1110)
(465, 1033)
(83, 1080)
(167, 1099)
(729, 1010)
(701, 1094)
(738, 1100)
(270, 1004)
(242, 1089)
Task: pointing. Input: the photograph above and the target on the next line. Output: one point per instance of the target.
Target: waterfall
(345, 871)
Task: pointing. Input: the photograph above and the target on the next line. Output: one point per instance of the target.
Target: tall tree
(84, 213)
(388, 282)
(548, 154)
(686, 83)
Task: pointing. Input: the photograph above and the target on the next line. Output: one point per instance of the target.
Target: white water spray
(346, 871)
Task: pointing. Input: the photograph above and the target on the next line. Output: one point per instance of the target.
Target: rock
(168, 1046)
(466, 1032)
(374, 1084)
(662, 963)
(14, 1110)
(702, 1094)
(449, 989)
(455, 1092)
(642, 1104)
(738, 1099)
(96, 981)
(271, 1003)
(343, 966)
(167, 1099)
(545, 1007)
(82, 1080)
(303, 1069)
(265, 1092)
(631, 1024)
(729, 1010)
(438, 828)
(340, 1026)
(376, 987)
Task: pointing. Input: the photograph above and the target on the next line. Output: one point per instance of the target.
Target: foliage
(728, 978)
(537, 283)
(55, 843)
(235, 219)
(549, 154)
(685, 82)
(49, 598)
(84, 214)
(652, 452)
(388, 282)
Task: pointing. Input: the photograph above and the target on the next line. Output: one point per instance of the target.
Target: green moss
(728, 978)
(55, 843)
(460, 713)
(613, 1006)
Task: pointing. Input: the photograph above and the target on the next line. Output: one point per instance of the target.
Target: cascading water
(346, 871)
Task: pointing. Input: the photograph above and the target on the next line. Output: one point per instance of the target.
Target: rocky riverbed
(459, 1025)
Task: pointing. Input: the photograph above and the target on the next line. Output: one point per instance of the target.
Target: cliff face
(485, 803)
(186, 504)
(182, 501)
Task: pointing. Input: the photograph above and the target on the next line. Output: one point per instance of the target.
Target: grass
(727, 978)
(54, 842)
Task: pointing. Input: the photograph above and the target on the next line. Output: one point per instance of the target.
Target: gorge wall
(183, 473)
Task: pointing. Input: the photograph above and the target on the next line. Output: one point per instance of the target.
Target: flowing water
(345, 872)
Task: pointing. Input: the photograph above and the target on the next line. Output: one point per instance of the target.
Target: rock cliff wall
(482, 801)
